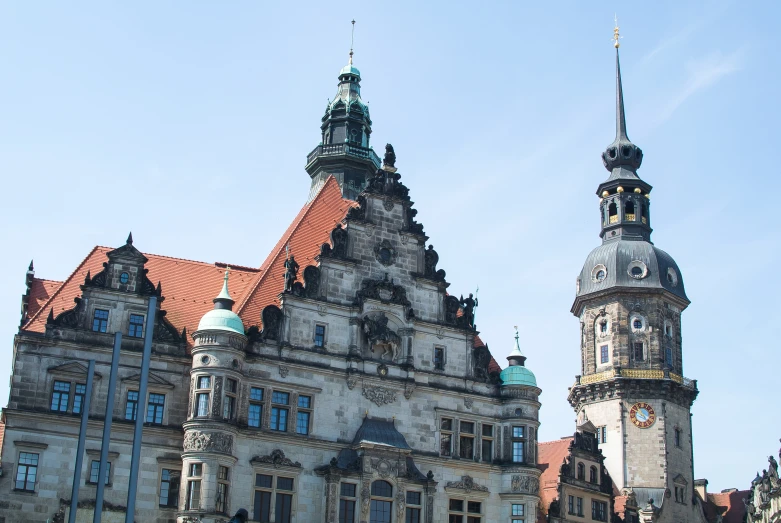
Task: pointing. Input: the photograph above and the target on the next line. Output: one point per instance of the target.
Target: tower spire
(224, 300)
(352, 41)
(620, 115)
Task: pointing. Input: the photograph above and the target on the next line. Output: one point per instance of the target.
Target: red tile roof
(550, 456)
(251, 289)
(727, 504)
(308, 231)
(40, 291)
(2, 437)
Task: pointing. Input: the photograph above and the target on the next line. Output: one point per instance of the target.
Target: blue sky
(189, 123)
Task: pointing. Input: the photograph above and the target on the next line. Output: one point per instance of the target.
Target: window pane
(519, 510)
(194, 495)
(228, 406)
(230, 386)
(518, 432)
(136, 326)
(304, 402)
(413, 515)
(446, 424)
(518, 451)
(348, 489)
(488, 450)
(278, 419)
(283, 398)
(319, 335)
(255, 415)
(466, 448)
(204, 382)
(444, 445)
(262, 506)
(60, 396)
(346, 511)
(413, 498)
(203, 404)
(302, 423)
(263, 480)
(457, 505)
(285, 484)
(100, 320)
(488, 430)
(473, 507)
(380, 511)
(256, 394)
(131, 407)
(453, 518)
(196, 469)
(95, 469)
(283, 509)
(154, 409)
(467, 427)
(382, 489)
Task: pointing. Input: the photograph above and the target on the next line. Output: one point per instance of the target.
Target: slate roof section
(380, 432)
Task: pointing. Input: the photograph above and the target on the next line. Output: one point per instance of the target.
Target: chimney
(701, 486)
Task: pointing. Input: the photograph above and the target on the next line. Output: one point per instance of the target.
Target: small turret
(517, 373)
(222, 316)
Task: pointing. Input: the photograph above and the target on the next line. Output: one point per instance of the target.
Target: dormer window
(581, 471)
(592, 475)
(136, 327)
(100, 320)
(124, 278)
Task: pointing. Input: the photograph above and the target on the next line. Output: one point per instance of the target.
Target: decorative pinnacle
(352, 41)
(130, 238)
(223, 299)
(616, 36)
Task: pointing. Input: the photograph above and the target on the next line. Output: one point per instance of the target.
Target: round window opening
(124, 277)
(204, 359)
(385, 255)
(637, 271)
(598, 273)
(637, 323)
(672, 277)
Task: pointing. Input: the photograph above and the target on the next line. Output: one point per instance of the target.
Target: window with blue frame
(100, 320)
(136, 327)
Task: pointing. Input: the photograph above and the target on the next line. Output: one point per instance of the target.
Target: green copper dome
(222, 318)
(350, 69)
(518, 375)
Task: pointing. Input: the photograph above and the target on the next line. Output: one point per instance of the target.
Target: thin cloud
(703, 74)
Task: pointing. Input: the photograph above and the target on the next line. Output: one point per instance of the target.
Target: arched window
(645, 212)
(629, 211)
(612, 212)
(581, 471)
(592, 475)
(382, 502)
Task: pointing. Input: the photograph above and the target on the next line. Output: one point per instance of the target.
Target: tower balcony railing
(642, 374)
(614, 219)
(629, 217)
(344, 149)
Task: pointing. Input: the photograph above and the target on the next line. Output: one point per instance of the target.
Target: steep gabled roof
(40, 292)
(550, 456)
(727, 504)
(309, 230)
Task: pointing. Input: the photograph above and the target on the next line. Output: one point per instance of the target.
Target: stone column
(355, 336)
(332, 497)
(407, 335)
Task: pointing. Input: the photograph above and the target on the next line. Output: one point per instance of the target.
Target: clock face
(642, 415)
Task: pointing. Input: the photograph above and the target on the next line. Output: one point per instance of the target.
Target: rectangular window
(304, 414)
(347, 503)
(519, 444)
(637, 349)
(598, 510)
(319, 335)
(668, 356)
(571, 505)
(456, 513)
(136, 327)
(603, 327)
(154, 409)
(487, 443)
(446, 437)
(131, 407)
(677, 437)
(229, 400)
(169, 488)
(579, 506)
(221, 499)
(439, 358)
(202, 404)
(203, 397)
(466, 440)
(282, 495)
(279, 414)
(602, 434)
(78, 398)
(603, 354)
(95, 469)
(204, 382)
(193, 501)
(26, 472)
(61, 396)
(255, 415)
(100, 320)
(412, 514)
(518, 513)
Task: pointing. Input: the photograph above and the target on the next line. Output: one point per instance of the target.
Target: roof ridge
(554, 441)
(45, 279)
(220, 265)
(265, 267)
(64, 282)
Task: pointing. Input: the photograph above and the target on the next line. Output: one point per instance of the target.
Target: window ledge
(24, 492)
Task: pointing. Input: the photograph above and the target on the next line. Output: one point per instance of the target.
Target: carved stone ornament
(283, 371)
(528, 484)
(352, 380)
(383, 290)
(388, 204)
(380, 336)
(359, 212)
(384, 468)
(197, 441)
(276, 458)
(409, 388)
(468, 402)
(379, 395)
(385, 253)
(467, 484)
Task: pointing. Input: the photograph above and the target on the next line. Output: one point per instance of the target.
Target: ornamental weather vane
(352, 41)
(616, 36)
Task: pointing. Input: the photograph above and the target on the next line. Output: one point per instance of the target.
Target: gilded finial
(616, 36)
(352, 41)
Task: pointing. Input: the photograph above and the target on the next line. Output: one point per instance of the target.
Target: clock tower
(630, 297)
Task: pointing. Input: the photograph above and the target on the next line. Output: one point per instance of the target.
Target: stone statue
(339, 238)
(291, 273)
(390, 158)
(773, 469)
(379, 334)
(469, 309)
(431, 258)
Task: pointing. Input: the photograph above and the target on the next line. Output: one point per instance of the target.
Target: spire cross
(352, 41)
(516, 336)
